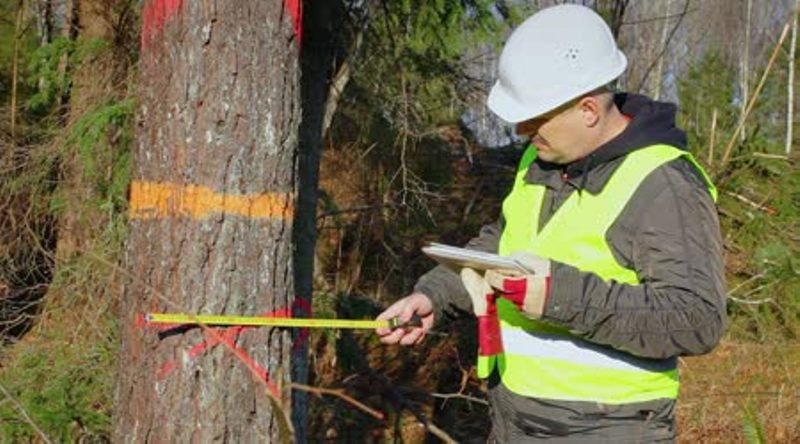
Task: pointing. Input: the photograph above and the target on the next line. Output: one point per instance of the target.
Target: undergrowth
(49, 80)
(73, 171)
(760, 210)
(62, 371)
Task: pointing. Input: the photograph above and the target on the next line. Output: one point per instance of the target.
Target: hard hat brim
(505, 106)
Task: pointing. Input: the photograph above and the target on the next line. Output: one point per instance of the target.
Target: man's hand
(528, 291)
(404, 309)
(483, 305)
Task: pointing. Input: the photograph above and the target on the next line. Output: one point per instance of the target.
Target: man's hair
(605, 95)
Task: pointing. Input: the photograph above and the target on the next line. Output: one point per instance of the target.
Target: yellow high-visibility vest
(545, 361)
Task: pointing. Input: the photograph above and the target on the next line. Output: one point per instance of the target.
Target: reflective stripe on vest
(546, 361)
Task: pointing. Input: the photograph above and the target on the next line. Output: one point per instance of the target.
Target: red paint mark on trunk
(155, 14)
(254, 367)
(140, 321)
(227, 335)
(294, 9)
(166, 369)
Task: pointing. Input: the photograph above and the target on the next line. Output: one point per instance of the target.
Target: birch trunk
(745, 69)
(658, 80)
(790, 83)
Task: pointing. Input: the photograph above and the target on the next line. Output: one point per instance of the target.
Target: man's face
(558, 135)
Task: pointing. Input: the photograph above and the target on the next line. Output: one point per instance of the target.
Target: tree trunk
(321, 19)
(212, 204)
(15, 67)
(659, 78)
(790, 83)
(745, 69)
(91, 87)
(44, 21)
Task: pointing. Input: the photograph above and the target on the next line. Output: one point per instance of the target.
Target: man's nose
(529, 127)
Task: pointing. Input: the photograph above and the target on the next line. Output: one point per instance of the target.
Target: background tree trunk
(745, 68)
(320, 43)
(790, 83)
(44, 21)
(92, 85)
(15, 66)
(212, 195)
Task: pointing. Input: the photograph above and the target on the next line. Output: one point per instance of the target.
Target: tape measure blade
(179, 318)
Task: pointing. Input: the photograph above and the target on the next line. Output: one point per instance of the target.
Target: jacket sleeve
(669, 234)
(443, 285)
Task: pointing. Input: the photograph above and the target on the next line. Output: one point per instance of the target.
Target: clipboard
(457, 258)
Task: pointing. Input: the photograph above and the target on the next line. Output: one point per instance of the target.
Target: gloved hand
(527, 290)
(483, 305)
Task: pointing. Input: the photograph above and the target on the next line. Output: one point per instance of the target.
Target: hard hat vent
(572, 54)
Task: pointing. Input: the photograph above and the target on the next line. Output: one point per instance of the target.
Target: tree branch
(752, 103)
(339, 393)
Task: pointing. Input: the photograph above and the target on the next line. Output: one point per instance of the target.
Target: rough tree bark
(212, 203)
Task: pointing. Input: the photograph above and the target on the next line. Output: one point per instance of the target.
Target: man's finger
(412, 336)
(390, 313)
(393, 337)
(421, 337)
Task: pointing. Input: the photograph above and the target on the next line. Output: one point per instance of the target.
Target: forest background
(410, 155)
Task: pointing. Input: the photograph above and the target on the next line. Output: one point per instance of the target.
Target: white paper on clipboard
(457, 258)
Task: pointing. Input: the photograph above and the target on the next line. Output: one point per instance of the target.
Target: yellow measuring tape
(259, 321)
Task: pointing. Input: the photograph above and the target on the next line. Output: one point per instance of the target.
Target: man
(618, 225)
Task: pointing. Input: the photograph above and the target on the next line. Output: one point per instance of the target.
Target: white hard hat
(555, 56)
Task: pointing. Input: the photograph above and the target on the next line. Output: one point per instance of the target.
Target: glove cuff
(489, 341)
(528, 293)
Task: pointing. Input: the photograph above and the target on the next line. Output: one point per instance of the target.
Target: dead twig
(745, 282)
(439, 433)
(460, 396)
(460, 393)
(756, 205)
(771, 156)
(756, 302)
(759, 288)
(726, 156)
(339, 393)
(711, 138)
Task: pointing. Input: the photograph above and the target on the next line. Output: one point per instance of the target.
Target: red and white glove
(527, 290)
(483, 305)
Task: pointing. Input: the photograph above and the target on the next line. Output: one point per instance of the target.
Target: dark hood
(651, 123)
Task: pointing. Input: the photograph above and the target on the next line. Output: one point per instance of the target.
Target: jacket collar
(651, 123)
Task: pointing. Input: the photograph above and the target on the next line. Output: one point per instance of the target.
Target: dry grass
(719, 388)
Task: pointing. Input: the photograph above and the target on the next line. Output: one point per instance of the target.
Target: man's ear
(590, 108)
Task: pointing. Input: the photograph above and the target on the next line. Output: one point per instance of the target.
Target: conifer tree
(211, 210)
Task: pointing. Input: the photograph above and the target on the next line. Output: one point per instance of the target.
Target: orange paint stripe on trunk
(150, 200)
